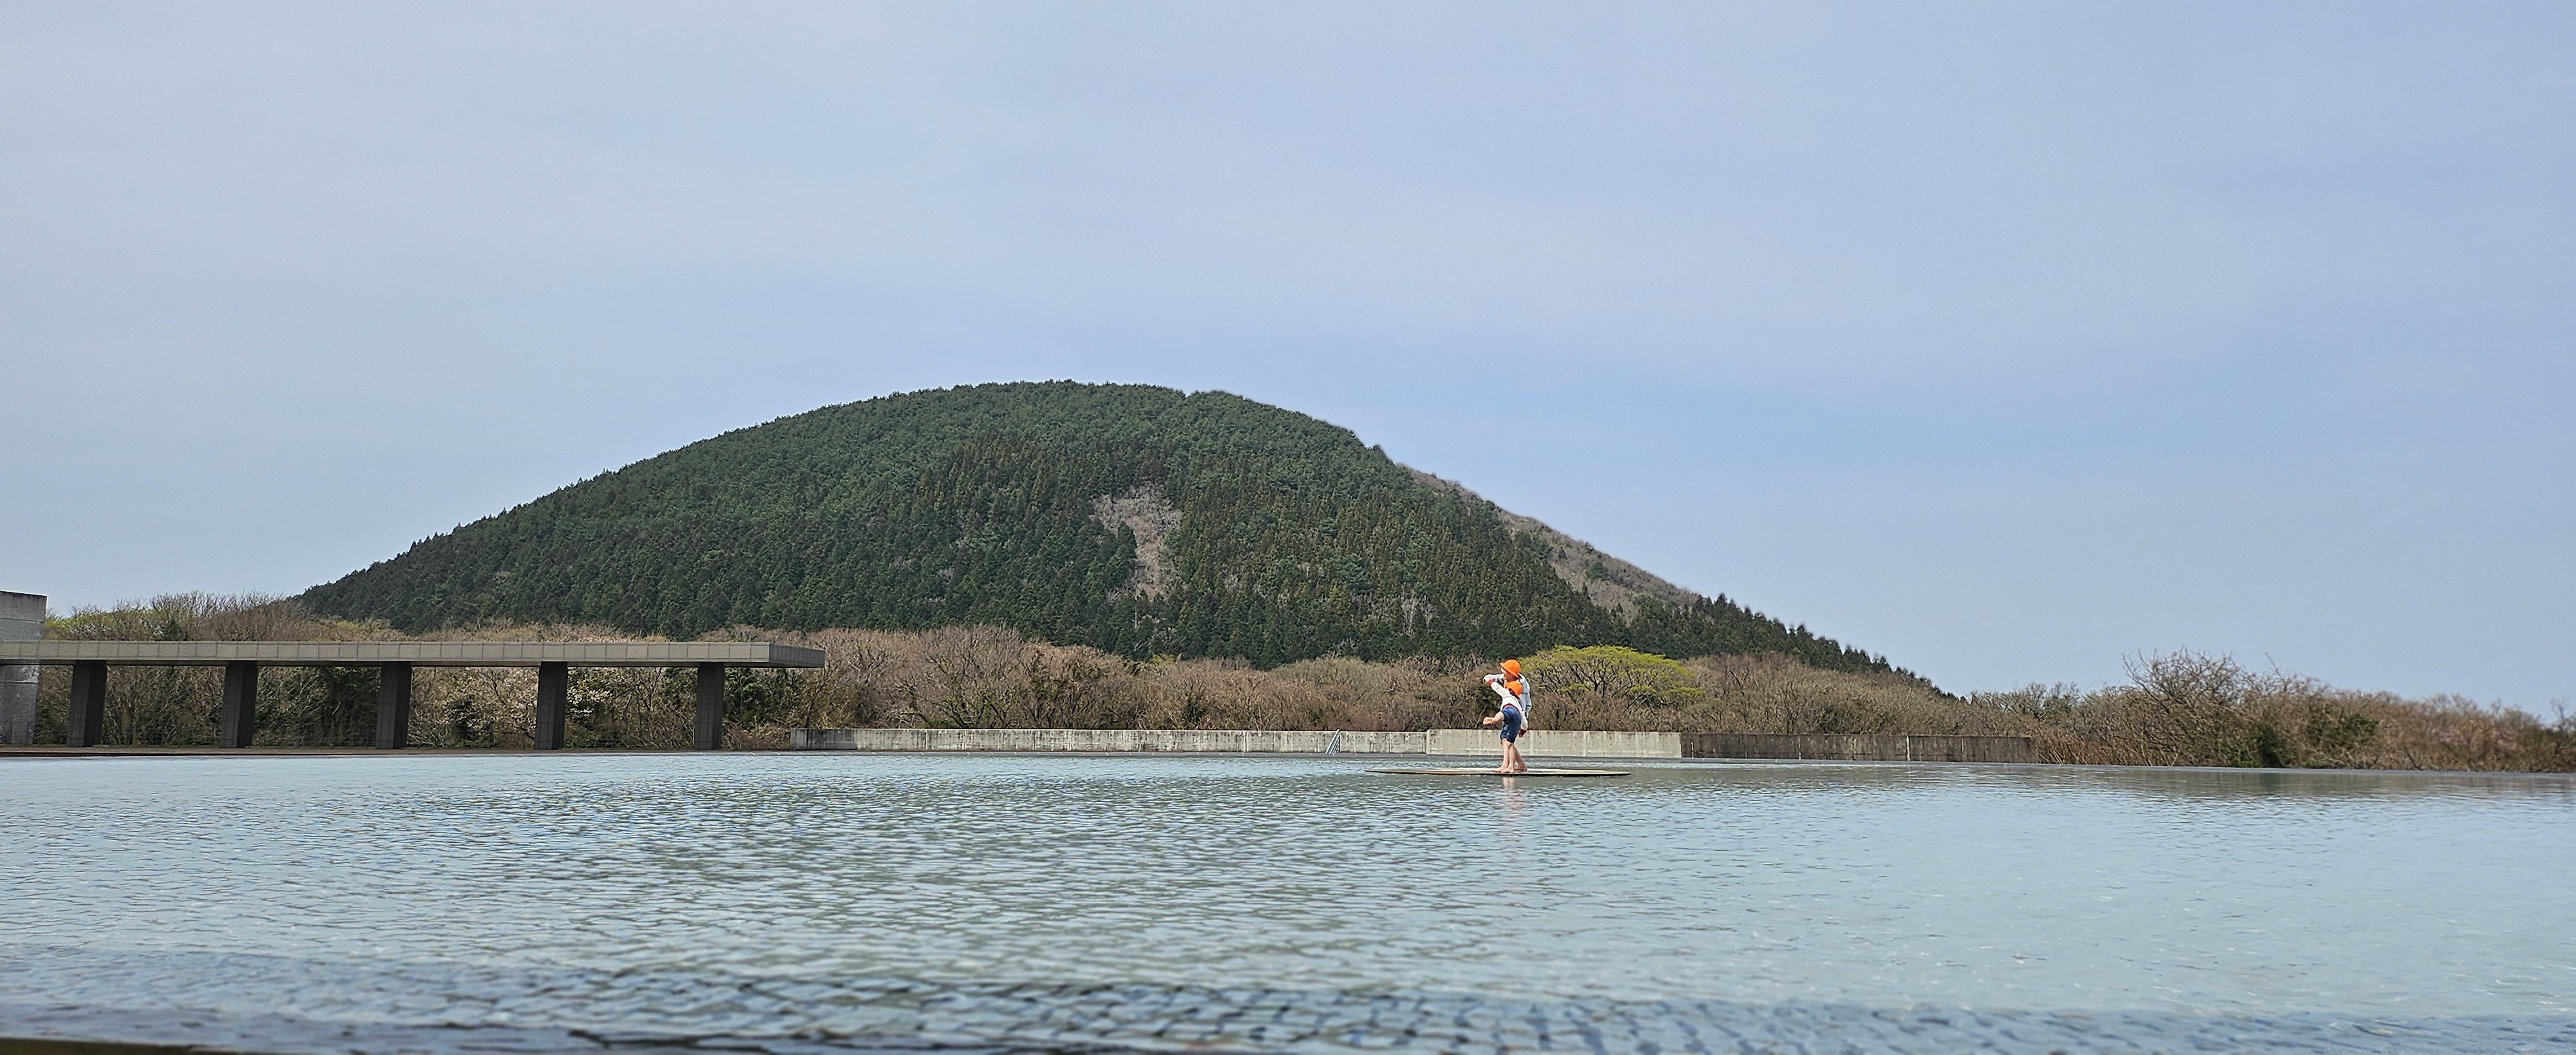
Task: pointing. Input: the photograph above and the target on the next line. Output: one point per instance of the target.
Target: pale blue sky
(2004, 339)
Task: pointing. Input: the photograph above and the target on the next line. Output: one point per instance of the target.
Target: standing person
(1512, 715)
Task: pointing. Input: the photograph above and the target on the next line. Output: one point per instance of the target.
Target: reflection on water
(1147, 900)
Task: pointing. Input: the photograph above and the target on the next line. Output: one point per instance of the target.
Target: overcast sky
(2004, 339)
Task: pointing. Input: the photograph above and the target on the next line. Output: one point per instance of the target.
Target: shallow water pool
(844, 900)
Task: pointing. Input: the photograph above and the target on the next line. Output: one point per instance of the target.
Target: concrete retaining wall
(1209, 741)
(1454, 742)
(1858, 748)
(1556, 743)
(1240, 741)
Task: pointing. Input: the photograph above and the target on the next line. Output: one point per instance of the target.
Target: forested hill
(1139, 520)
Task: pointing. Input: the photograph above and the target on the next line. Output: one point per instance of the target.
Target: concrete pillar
(711, 701)
(393, 706)
(554, 682)
(22, 618)
(86, 719)
(240, 718)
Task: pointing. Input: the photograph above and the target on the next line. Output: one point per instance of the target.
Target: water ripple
(1141, 901)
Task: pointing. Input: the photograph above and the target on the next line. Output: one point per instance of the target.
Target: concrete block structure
(554, 692)
(393, 706)
(1455, 743)
(1844, 747)
(86, 719)
(1179, 741)
(238, 720)
(711, 696)
(1467, 742)
(417, 653)
(1556, 743)
(22, 618)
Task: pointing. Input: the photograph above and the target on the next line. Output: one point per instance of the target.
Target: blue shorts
(1511, 726)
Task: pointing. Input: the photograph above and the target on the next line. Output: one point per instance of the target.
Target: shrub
(1612, 672)
(2179, 708)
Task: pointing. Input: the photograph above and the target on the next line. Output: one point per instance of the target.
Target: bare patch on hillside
(1142, 510)
(1610, 582)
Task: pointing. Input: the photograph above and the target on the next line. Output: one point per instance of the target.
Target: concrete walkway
(1546, 743)
(1451, 742)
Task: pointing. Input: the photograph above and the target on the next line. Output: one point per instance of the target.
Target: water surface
(1296, 902)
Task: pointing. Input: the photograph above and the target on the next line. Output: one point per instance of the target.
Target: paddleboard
(1486, 772)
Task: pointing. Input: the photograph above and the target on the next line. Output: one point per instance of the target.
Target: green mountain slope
(1139, 520)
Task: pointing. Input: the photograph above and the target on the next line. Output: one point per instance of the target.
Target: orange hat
(1512, 667)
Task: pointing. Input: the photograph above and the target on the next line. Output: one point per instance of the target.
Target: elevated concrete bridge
(394, 661)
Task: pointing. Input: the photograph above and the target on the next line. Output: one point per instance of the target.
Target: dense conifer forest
(1133, 519)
